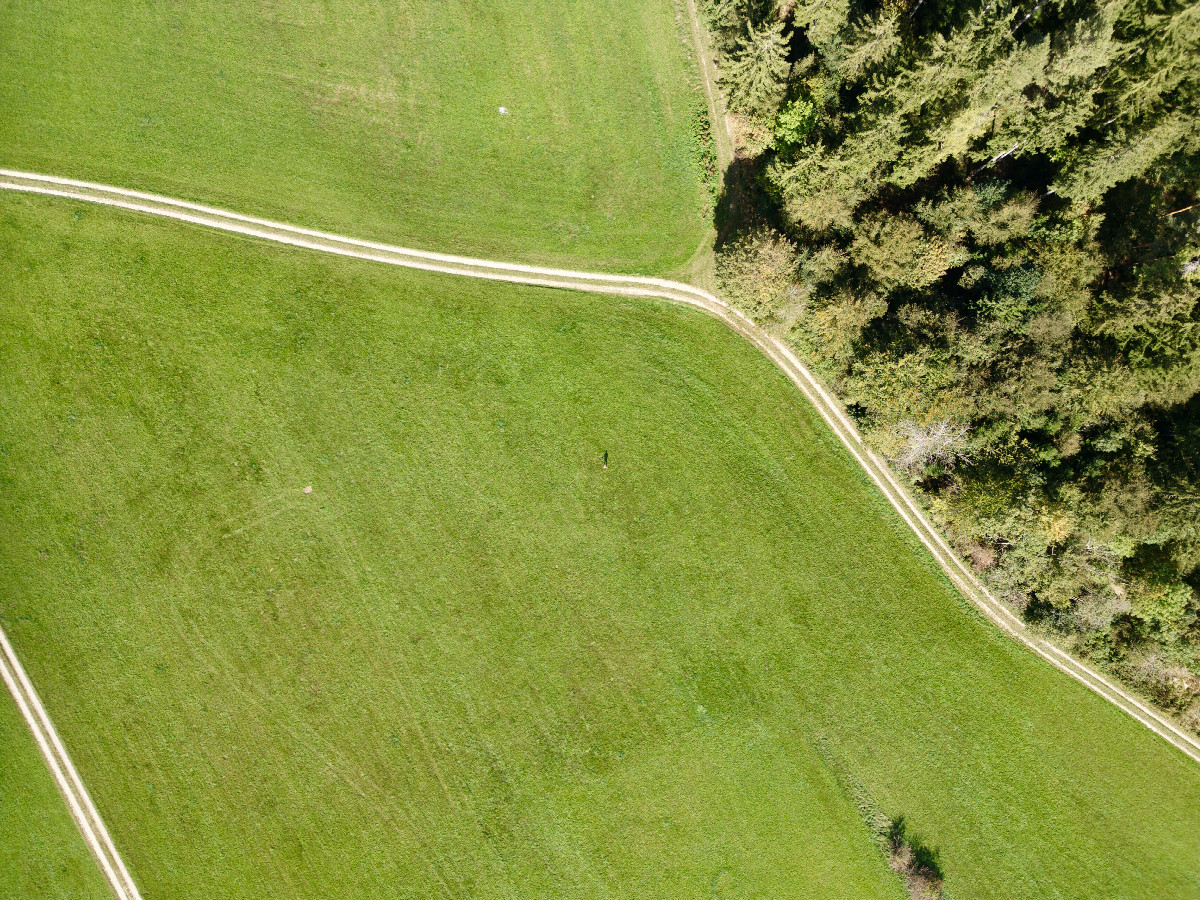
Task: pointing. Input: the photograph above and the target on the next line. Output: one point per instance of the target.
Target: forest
(980, 223)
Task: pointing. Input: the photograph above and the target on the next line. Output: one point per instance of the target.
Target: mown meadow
(379, 120)
(472, 661)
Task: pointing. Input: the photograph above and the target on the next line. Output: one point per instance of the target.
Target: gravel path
(777, 351)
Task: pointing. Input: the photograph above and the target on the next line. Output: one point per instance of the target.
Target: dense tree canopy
(981, 222)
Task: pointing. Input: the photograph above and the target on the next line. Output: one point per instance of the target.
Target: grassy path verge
(722, 136)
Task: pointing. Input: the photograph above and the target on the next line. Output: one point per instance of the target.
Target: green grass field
(472, 662)
(377, 120)
(41, 853)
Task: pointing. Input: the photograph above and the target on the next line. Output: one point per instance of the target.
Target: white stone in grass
(308, 490)
(504, 110)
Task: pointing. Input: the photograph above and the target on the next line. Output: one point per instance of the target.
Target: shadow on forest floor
(743, 204)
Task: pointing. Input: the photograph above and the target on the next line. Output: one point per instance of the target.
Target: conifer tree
(756, 74)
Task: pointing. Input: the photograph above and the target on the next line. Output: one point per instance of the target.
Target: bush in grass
(915, 860)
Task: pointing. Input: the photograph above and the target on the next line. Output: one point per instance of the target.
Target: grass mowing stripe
(456, 661)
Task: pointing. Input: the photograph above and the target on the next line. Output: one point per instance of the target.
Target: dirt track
(78, 801)
(56, 757)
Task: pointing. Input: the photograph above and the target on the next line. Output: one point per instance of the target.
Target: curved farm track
(68, 780)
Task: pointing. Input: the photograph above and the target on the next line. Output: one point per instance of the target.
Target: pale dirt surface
(775, 350)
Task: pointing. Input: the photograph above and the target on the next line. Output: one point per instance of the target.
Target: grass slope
(471, 661)
(41, 853)
(379, 120)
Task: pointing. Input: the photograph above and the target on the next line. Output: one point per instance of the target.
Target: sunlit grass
(41, 853)
(472, 661)
(378, 120)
